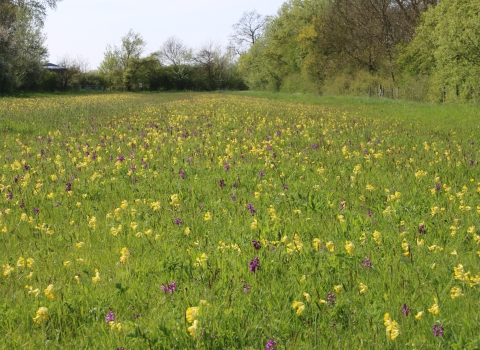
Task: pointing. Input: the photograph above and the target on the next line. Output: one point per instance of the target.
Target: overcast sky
(85, 27)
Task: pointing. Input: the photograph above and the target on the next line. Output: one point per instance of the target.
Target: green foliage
(446, 49)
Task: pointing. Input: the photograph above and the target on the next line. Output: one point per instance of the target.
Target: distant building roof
(53, 67)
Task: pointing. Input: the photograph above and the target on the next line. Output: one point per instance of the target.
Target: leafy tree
(446, 48)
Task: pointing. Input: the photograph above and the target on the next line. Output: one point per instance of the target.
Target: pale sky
(85, 27)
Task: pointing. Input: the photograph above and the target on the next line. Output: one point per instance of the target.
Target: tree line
(317, 46)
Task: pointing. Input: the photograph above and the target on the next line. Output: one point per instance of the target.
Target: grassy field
(238, 221)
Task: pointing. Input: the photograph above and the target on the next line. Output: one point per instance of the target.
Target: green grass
(116, 196)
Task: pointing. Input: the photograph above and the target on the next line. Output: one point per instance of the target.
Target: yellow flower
(175, 201)
(187, 230)
(303, 279)
(21, 262)
(363, 288)
(393, 330)
(125, 255)
(435, 309)
(7, 269)
(341, 218)
(316, 243)
(350, 247)
(192, 313)
(193, 329)
(50, 292)
(307, 297)
(79, 244)
(456, 292)
(124, 205)
(254, 224)
(96, 278)
(460, 273)
(30, 262)
(41, 315)
(419, 315)
(208, 216)
(330, 246)
(370, 188)
(377, 237)
(338, 288)
(299, 306)
(67, 263)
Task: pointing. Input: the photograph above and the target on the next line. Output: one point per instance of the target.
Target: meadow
(238, 221)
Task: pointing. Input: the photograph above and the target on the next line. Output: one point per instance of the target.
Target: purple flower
(169, 288)
(369, 213)
(367, 263)
(233, 197)
(22, 205)
(26, 167)
(120, 158)
(68, 186)
(221, 182)
(133, 167)
(134, 180)
(271, 345)
(226, 166)
(261, 174)
(438, 330)
(110, 317)
(181, 173)
(136, 316)
(254, 265)
(405, 310)
(251, 208)
(9, 195)
(422, 229)
(331, 299)
(256, 245)
(178, 221)
(246, 288)
(285, 186)
(342, 204)
(36, 210)
(234, 185)
(438, 186)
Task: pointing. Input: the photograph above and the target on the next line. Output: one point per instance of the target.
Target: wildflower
(341, 218)
(367, 263)
(307, 297)
(254, 224)
(338, 288)
(298, 306)
(438, 330)
(316, 244)
(178, 221)
(41, 315)
(363, 288)
(460, 273)
(110, 317)
(256, 245)
(331, 299)
(377, 237)
(125, 255)
(96, 278)
(193, 329)
(251, 209)
(330, 246)
(370, 188)
(233, 197)
(50, 292)
(246, 288)
(303, 279)
(435, 309)
(21, 262)
(405, 310)
(175, 200)
(271, 345)
(169, 288)
(419, 315)
(393, 330)
(187, 230)
(456, 292)
(192, 313)
(208, 216)
(349, 246)
(254, 265)
(92, 222)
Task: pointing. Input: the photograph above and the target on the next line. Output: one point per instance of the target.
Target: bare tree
(247, 31)
(174, 52)
(212, 62)
(71, 68)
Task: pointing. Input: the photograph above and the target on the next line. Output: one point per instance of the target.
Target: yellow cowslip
(349, 247)
(41, 315)
(298, 306)
(456, 292)
(435, 309)
(363, 288)
(192, 313)
(50, 292)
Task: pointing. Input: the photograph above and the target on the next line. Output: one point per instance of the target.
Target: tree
(446, 49)
(116, 59)
(211, 63)
(22, 47)
(247, 31)
(175, 53)
(71, 70)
